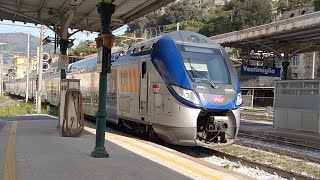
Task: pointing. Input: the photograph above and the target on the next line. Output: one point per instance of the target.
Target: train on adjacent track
(180, 86)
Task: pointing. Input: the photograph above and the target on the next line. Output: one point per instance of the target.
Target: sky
(9, 27)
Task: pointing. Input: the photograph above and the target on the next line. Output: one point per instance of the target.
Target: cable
(68, 128)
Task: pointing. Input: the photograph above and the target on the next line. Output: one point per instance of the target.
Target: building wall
(20, 63)
(21, 66)
(302, 65)
(297, 12)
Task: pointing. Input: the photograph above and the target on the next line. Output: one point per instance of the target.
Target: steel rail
(281, 140)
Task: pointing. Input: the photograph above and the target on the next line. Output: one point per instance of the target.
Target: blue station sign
(260, 71)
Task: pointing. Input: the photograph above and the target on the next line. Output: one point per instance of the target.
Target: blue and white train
(180, 86)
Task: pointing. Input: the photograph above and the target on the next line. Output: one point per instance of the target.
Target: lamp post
(106, 40)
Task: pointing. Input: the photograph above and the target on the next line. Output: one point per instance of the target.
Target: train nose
(216, 127)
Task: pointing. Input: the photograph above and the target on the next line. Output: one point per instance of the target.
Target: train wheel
(152, 135)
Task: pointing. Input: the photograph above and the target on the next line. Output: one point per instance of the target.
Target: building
(20, 63)
(221, 2)
(305, 66)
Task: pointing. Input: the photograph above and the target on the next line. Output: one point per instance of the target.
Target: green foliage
(218, 24)
(84, 48)
(237, 15)
(121, 41)
(189, 13)
(202, 16)
(316, 4)
(211, 10)
(284, 5)
(194, 26)
(22, 108)
(250, 13)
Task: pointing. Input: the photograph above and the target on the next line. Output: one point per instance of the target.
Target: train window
(144, 70)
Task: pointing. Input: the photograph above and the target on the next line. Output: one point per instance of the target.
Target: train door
(143, 92)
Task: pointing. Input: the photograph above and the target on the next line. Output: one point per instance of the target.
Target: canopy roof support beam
(63, 33)
(105, 10)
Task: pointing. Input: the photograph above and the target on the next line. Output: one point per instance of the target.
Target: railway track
(281, 140)
(5, 101)
(230, 157)
(279, 151)
(254, 164)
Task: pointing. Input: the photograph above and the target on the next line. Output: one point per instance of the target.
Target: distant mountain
(17, 43)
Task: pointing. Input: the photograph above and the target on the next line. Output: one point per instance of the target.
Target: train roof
(180, 37)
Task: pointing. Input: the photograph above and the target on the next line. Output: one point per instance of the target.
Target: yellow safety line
(10, 162)
(171, 160)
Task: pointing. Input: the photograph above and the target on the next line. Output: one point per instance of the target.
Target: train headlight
(239, 99)
(186, 94)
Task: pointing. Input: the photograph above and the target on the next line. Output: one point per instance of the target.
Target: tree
(182, 11)
(84, 48)
(285, 5)
(316, 4)
(237, 15)
(218, 24)
(250, 13)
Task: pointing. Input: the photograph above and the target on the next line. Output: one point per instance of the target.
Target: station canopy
(298, 34)
(86, 17)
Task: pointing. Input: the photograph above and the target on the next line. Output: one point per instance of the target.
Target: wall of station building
(302, 65)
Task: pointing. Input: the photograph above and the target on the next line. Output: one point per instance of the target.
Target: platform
(32, 149)
(267, 128)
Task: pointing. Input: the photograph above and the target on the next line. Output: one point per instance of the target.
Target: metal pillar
(285, 65)
(63, 50)
(55, 43)
(105, 10)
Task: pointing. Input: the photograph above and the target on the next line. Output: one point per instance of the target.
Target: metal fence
(296, 105)
(247, 100)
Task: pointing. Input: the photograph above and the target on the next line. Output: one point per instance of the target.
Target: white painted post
(40, 71)
(313, 65)
(28, 59)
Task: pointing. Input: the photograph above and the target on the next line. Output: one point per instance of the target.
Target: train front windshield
(205, 64)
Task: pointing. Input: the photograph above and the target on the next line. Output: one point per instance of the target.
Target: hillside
(17, 43)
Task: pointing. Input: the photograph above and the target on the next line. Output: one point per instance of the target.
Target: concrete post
(313, 64)
(105, 10)
(28, 64)
(1, 79)
(40, 71)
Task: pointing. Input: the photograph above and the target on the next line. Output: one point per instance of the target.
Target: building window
(318, 73)
(295, 75)
(295, 60)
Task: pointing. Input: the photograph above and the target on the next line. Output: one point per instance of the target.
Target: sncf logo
(218, 99)
(156, 88)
